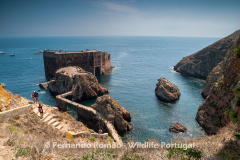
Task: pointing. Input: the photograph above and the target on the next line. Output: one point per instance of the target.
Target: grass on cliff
(237, 91)
(232, 116)
(237, 50)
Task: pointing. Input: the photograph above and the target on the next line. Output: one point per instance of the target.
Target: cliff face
(201, 63)
(10, 101)
(220, 106)
(83, 84)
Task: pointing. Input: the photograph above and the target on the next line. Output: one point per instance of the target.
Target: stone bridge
(89, 115)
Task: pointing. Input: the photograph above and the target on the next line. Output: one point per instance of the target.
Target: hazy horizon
(174, 18)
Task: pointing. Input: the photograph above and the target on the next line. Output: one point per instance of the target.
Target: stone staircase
(48, 118)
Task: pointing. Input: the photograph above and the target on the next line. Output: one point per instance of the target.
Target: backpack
(40, 110)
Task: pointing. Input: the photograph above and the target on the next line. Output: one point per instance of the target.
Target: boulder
(84, 85)
(114, 112)
(166, 91)
(178, 128)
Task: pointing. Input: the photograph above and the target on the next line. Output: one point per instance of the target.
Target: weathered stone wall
(89, 61)
(50, 63)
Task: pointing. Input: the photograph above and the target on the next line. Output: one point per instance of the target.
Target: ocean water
(138, 62)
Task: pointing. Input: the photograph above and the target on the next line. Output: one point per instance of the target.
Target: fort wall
(93, 61)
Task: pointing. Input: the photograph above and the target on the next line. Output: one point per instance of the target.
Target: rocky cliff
(201, 63)
(222, 103)
(8, 100)
(114, 112)
(83, 84)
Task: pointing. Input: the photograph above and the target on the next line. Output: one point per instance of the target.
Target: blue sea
(138, 62)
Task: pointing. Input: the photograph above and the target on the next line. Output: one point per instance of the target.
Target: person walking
(40, 109)
(33, 96)
(36, 96)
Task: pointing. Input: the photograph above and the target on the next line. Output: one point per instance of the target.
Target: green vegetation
(110, 139)
(22, 151)
(236, 135)
(232, 115)
(12, 128)
(237, 103)
(238, 65)
(189, 153)
(91, 155)
(237, 50)
(91, 138)
(236, 89)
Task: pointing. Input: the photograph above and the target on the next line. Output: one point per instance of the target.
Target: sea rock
(166, 91)
(84, 85)
(201, 63)
(44, 85)
(114, 112)
(178, 128)
(220, 100)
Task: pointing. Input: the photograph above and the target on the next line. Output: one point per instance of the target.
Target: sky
(185, 18)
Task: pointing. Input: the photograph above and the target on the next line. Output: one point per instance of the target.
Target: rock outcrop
(201, 63)
(221, 104)
(44, 85)
(84, 85)
(167, 91)
(8, 100)
(114, 112)
(178, 128)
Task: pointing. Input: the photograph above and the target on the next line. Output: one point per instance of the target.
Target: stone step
(48, 119)
(51, 121)
(59, 127)
(35, 110)
(45, 115)
(55, 124)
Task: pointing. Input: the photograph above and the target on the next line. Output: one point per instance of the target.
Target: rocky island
(83, 84)
(73, 84)
(178, 128)
(166, 91)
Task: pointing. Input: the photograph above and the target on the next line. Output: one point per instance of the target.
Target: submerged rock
(178, 128)
(166, 91)
(83, 84)
(114, 112)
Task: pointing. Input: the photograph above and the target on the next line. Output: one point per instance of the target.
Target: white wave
(42, 92)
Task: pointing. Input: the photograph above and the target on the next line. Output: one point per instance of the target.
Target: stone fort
(93, 61)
